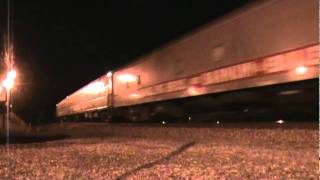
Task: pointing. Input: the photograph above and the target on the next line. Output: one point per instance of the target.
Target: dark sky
(60, 46)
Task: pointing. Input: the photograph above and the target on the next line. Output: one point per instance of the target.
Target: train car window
(218, 53)
(178, 66)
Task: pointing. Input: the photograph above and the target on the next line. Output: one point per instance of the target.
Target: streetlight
(12, 74)
(8, 84)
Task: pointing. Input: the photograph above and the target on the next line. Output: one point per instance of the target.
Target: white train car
(91, 98)
(270, 43)
(265, 44)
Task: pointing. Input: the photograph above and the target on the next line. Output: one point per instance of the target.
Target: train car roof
(80, 89)
(229, 16)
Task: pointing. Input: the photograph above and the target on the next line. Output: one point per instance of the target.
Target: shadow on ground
(159, 161)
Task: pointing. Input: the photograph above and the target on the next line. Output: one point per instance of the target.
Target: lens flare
(8, 83)
(12, 74)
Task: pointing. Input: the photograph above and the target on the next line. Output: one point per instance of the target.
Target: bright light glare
(12, 74)
(8, 83)
(126, 78)
(301, 70)
(194, 90)
(109, 74)
(95, 88)
(280, 121)
(134, 95)
(163, 122)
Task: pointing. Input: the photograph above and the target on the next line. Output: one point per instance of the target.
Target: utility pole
(11, 74)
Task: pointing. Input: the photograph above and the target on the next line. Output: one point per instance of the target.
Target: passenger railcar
(219, 68)
(91, 98)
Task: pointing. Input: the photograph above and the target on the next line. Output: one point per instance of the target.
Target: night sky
(60, 46)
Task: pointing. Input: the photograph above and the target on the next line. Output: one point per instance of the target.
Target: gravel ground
(134, 152)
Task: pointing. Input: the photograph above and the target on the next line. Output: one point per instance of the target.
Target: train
(261, 59)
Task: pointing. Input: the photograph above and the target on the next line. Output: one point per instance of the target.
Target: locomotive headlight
(301, 70)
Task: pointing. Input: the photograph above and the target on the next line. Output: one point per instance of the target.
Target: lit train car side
(269, 43)
(88, 102)
(262, 59)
